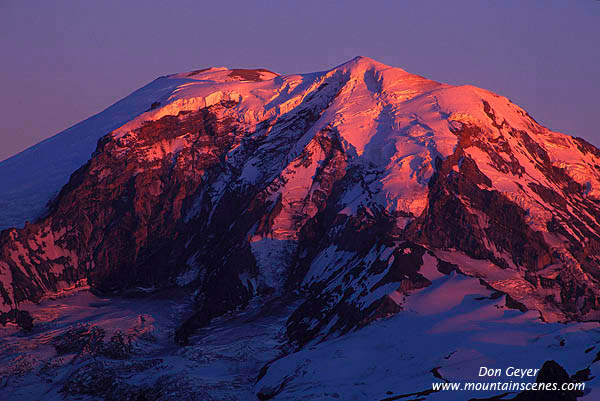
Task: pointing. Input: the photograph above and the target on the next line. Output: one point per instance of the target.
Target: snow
(296, 182)
(187, 277)
(273, 258)
(222, 362)
(453, 325)
(324, 264)
(510, 281)
(394, 122)
(444, 295)
(429, 269)
(30, 178)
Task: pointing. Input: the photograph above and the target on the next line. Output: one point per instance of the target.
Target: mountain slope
(31, 178)
(339, 185)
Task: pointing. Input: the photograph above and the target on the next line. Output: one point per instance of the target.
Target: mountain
(351, 190)
(30, 179)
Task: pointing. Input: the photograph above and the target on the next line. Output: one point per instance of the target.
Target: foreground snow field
(452, 327)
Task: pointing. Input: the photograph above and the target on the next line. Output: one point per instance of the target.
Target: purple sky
(63, 61)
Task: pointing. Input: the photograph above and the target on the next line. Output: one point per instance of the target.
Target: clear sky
(62, 61)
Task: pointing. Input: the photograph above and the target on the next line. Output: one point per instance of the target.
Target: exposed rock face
(551, 372)
(339, 185)
(466, 212)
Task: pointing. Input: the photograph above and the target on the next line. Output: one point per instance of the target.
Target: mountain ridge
(337, 185)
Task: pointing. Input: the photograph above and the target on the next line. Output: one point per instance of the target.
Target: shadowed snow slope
(31, 178)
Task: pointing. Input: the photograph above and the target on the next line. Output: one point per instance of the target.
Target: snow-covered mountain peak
(385, 117)
(380, 77)
(362, 63)
(363, 190)
(362, 141)
(263, 94)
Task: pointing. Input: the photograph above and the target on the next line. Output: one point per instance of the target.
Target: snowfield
(454, 327)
